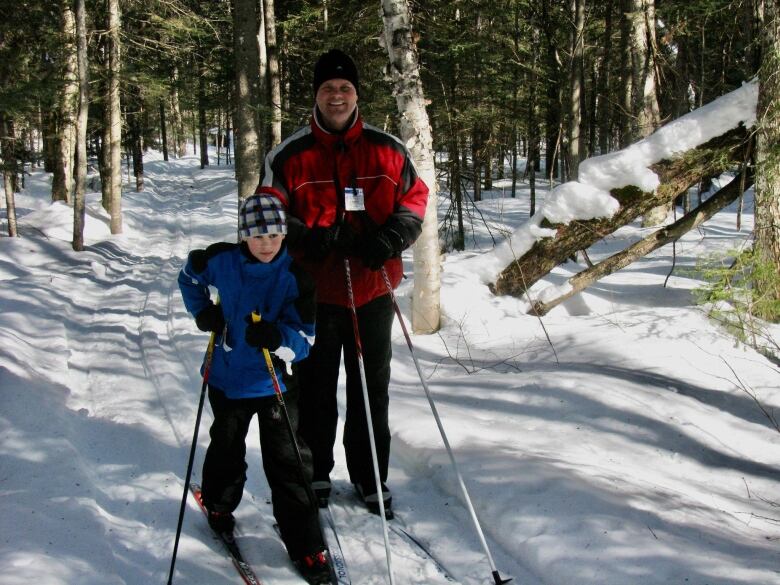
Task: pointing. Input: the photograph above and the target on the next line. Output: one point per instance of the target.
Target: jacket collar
(329, 138)
(257, 268)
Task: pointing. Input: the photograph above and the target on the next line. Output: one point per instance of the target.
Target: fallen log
(665, 235)
(676, 176)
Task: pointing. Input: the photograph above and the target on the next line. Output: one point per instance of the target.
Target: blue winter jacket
(278, 290)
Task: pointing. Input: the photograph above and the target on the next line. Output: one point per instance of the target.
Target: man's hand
(345, 240)
(318, 242)
(380, 247)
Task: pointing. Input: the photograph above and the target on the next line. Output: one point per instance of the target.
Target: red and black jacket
(312, 168)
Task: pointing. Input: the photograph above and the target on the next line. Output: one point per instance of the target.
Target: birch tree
(415, 131)
(67, 108)
(274, 79)
(645, 113)
(576, 87)
(81, 128)
(767, 197)
(114, 119)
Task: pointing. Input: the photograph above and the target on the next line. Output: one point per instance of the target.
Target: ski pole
(495, 574)
(206, 370)
(369, 422)
(280, 399)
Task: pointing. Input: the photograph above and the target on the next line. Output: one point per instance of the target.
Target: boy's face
(336, 100)
(265, 247)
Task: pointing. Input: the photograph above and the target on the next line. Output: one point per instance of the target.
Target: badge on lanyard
(353, 199)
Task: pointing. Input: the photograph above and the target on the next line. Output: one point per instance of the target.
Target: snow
(589, 197)
(615, 441)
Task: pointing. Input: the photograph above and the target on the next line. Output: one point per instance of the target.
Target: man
(352, 192)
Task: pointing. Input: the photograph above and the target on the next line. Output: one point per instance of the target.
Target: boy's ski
(243, 568)
(338, 568)
(340, 574)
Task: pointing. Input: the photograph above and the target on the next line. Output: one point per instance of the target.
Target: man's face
(336, 100)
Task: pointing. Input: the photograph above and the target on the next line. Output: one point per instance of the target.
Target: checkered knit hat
(261, 214)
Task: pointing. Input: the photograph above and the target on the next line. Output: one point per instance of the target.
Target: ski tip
(498, 580)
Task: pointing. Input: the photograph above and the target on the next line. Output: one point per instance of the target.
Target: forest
(512, 90)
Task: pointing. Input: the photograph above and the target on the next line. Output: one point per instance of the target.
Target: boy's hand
(262, 334)
(211, 319)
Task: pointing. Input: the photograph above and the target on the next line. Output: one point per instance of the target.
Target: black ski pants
(224, 469)
(319, 375)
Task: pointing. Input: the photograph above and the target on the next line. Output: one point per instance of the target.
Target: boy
(257, 276)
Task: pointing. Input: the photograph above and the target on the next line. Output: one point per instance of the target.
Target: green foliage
(732, 298)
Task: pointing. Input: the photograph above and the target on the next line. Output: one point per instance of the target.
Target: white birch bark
(115, 119)
(62, 180)
(177, 122)
(415, 130)
(575, 87)
(767, 196)
(81, 128)
(646, 112)
(274, 80)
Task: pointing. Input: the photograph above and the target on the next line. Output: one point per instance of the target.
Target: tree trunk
(163, 131)
(114, 118)
(767, 197)
(79, 204)
(675, 176)
(666, 235)
(553, 115)
(7, 140)
(645, 113)
(533, 156)
(177, 122)
(262, 120)
(274, 80)
(136, 136)
(67, 109)
(515, 97)
(415, 131)
(247, 142)
(576, 87)
(604, 104)
(203, 128)
(626, 77)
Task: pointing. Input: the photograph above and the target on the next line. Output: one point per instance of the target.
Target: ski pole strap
(256, 318)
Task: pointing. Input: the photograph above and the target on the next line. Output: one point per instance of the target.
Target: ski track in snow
(658, 471)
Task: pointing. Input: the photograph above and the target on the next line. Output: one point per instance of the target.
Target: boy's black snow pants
(224, 469)
(318, 380)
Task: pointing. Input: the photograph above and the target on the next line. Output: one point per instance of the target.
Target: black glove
(263, 334)
(345, 241)
(380, 247)
(318, 242)
(211, 319)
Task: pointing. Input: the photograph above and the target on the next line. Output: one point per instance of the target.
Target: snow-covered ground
(627, 449)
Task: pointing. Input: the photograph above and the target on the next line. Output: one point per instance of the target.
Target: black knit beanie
(335, 64)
